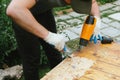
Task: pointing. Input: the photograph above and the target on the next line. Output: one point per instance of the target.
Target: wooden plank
(70, 70)
(99, 51)
(84, 78)
(94, 62)
(94, 74)
(107, 68)
(111, 61)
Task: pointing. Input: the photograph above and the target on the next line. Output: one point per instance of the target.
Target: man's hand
(96, 35)
(56, 40)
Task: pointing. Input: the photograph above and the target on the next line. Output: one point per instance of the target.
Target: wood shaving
(70, 69)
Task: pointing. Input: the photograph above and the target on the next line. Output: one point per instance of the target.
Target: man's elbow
(11, 11)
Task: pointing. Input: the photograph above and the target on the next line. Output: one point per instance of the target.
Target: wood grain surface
(94, 62)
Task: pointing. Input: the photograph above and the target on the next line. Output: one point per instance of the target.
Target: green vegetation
(105, 1)
(7, 40)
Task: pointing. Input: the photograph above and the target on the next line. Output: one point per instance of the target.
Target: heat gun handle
(87, 30)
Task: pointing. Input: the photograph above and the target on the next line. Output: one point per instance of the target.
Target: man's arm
(95, 9)
(18, 10)
(96, 13)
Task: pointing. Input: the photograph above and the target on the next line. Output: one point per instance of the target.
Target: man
(34, 24)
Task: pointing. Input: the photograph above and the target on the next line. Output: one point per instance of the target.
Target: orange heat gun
(87, 31)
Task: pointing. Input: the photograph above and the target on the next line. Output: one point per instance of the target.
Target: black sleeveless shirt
(43, 5)
(40, 7)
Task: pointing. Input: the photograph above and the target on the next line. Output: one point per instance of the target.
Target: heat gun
(87, 31)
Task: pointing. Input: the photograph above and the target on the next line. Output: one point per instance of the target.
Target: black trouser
(29, 47)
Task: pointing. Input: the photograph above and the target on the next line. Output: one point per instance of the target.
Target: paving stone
(63, 17)
(106, 6)
(116, 25)
(74, 14)
(117, 2)
(69, 35)
(103, 25)
(107, 12)
(112, 32)
(62, 25)
(115, 16)
(83, 17)
(74, 21)
(117, 8)
(106, 20)
(118, 39)
(77, 29)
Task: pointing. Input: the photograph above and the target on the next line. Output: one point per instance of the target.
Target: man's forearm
(95, 9)
(25, 19)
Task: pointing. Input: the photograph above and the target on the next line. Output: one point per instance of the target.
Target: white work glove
(96, 34)
(55, 40)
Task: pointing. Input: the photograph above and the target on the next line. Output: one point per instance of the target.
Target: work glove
(55, 40)
(96, 34)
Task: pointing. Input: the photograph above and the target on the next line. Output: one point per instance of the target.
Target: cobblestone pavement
(70, 24)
